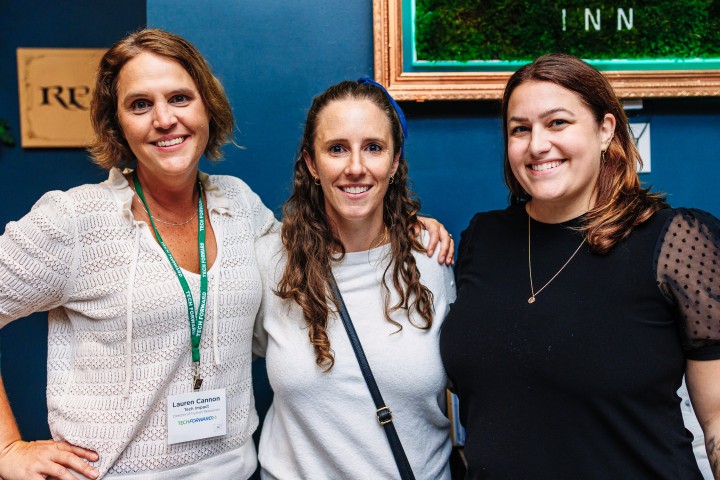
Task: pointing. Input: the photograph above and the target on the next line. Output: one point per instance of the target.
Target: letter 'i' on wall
(55, 86)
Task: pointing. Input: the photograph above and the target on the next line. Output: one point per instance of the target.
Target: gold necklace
(163, 221)
(533, 293)
(380, 239)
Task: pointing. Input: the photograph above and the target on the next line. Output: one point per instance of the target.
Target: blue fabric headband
(398, 110)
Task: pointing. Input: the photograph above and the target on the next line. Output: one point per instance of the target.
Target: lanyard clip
(197, 381)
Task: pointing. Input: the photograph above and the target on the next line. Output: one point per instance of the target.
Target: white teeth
(170, 143)
(544, 166)
(355, 189)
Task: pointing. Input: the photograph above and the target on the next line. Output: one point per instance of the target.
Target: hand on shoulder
(439, 236)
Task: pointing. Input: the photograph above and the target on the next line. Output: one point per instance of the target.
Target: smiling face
(353, 159)
(162, 116)
(554, 147)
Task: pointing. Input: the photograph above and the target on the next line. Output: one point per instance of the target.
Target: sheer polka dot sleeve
(688, 272)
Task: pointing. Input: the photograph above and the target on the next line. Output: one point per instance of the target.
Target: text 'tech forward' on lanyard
(196, 319)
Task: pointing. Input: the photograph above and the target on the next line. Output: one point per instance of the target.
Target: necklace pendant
(531, 299)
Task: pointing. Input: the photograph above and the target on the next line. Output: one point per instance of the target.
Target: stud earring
(316, 180)
(392, 179)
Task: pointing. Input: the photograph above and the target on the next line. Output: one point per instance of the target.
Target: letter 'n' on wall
(55, 86)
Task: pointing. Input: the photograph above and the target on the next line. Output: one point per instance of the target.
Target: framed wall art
(55, 87)
(467, 49)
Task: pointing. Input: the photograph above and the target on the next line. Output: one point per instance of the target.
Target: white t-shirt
(322, 425)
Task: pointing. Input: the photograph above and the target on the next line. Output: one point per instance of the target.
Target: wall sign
(55, 87)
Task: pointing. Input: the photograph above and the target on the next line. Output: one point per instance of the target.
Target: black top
(582, 383)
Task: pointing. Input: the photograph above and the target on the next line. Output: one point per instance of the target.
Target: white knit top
(118, 340)
(322, 425)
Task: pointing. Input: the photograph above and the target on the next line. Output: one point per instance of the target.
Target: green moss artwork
(509, 30)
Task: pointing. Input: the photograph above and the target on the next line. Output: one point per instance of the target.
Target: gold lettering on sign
(55, 87)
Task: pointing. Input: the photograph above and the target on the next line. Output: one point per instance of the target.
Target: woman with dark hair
(582, 304)
(350, 219)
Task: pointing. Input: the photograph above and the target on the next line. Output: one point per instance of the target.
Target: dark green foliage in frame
(464, 30)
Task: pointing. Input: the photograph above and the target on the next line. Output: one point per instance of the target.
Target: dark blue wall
(273, 56)
(28, 173)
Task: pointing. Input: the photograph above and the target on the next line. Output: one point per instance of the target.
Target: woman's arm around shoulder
(439, 236)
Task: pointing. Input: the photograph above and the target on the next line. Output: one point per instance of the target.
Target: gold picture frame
(463, 85)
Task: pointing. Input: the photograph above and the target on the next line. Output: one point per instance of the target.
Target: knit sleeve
(688, 272)
(38, 258)
(263, 219)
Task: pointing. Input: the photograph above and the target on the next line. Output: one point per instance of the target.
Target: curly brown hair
(622, 204)
(109, 147)
(311, 243)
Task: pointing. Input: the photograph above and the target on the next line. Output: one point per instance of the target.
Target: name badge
(196, 415)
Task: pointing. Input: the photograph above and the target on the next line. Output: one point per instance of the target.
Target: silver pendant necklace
(533, 293)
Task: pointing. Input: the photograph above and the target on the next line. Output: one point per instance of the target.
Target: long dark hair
(311, 243)
(622, 204)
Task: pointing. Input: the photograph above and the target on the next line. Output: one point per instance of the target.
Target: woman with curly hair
(581, 305)
(350, 220)
(131, 269)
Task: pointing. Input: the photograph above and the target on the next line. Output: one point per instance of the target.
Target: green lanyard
(196, 319)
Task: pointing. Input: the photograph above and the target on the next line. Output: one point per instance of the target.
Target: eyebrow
(136, 95)
(545, 114)
(343, 139)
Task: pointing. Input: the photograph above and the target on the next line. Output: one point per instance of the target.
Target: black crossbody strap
(384, 415)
